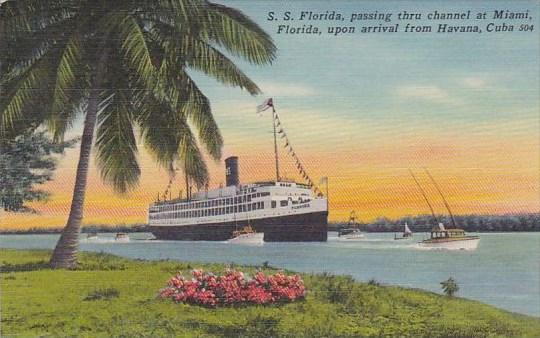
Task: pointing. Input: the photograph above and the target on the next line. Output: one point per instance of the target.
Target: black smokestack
(231, 171)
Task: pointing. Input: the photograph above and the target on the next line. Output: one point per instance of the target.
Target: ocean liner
(284, 210)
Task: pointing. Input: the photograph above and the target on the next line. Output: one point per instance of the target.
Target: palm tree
(124, 67)
(450, 287)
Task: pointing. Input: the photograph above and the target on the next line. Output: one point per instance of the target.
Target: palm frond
(116, 146)
(180, 94)
(168, 137)
(67, 97)
(188, 50)
(197, 108)
(19, 54)
(236, 32)
(132, 43)
(22, 17)
(184, 13)
(192, 159)
(22, 93)
(159, 130)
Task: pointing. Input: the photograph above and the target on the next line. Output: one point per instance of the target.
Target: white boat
(121, 237)
(92, 236)
(247, 236)
(352, 231)
(351, 236)
(442, 238)
(407, 233)
(450, 239)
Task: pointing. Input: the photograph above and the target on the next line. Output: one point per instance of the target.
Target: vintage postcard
(308, 168)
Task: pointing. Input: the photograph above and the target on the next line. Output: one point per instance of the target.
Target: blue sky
(362, 75)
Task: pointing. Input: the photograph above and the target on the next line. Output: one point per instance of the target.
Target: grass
(109, 296)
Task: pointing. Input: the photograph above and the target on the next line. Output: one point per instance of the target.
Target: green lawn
(109, 296)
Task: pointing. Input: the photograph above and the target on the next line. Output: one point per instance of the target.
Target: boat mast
(425, 197)
(442, 196)
(188, 190)
(275, 141)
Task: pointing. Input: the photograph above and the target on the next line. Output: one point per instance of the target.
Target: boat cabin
(437, 233)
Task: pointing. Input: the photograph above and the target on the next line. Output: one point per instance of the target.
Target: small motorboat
(442, 238)
(246, 235)
(450, 239)
(121, 237)
(407, 233)
(92, 236)
(352, 231)
(349, 234)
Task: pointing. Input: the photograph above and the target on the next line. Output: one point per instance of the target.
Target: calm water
(504, 271)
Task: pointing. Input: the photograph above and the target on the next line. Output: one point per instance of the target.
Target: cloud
(286, 89)
(424, 92)
(431, 93)
(474, 82)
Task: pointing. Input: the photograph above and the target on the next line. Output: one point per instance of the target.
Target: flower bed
(231, 288)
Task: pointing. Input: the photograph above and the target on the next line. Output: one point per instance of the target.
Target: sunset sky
(362, 109)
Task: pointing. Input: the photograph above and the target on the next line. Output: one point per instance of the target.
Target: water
(504, 271)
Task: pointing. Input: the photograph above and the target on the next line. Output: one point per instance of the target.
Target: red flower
(233, 288)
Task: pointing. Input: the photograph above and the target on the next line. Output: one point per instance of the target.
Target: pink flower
(233, 287)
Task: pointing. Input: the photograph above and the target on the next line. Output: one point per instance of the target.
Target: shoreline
(335, 305)
(59, 231)
(520, 222)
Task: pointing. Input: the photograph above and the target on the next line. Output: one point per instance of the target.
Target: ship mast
(442, 196)
(425, 197)
(275, 142)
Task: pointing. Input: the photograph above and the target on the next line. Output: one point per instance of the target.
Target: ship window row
(211, 212)
(211, 203)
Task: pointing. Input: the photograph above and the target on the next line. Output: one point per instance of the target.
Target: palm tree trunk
(65, 252)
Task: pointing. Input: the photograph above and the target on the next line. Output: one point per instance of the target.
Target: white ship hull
(352, 237)
(248, 239)
(465, 244)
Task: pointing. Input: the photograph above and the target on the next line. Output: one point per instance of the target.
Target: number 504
(526, 28)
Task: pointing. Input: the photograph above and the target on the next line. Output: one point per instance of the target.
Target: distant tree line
(85, 229)
(471, 223)
(419, 223)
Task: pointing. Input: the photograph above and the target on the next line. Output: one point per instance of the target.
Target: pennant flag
(283, 135)
(280, 131)
(265, 105)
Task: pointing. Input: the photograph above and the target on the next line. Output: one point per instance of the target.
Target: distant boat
(247, 235)
(121, 237)
(352, 231)
(92, 236)
(450, 239)
(407, 233)
(440, 237)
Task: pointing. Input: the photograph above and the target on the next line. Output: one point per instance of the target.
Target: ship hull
(309, 227)
(461, 244)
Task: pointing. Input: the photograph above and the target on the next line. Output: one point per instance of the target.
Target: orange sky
(482, 169)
